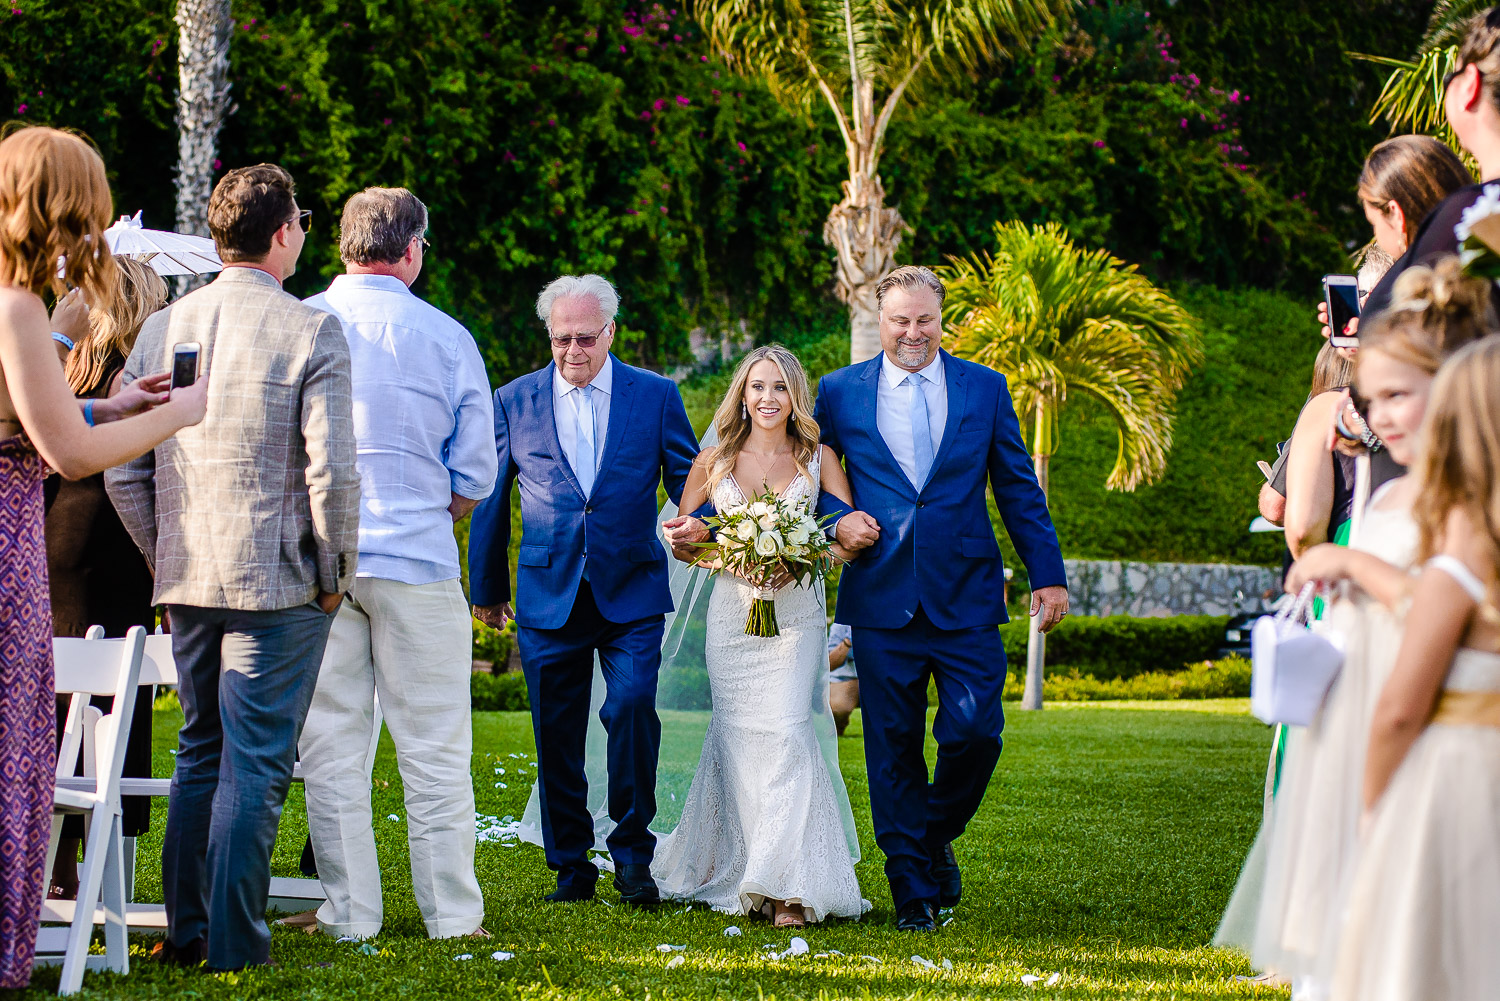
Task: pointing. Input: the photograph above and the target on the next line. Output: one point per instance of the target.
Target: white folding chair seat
(85, 668)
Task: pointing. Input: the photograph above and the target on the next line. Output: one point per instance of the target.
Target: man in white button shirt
(424, 426)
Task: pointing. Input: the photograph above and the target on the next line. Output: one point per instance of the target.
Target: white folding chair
(87, 667)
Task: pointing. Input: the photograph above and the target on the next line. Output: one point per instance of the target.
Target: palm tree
(861, 58)
(1412, 99)
(1055, 319)
(204, 28)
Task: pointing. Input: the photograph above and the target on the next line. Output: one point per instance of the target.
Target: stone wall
(1112, 587)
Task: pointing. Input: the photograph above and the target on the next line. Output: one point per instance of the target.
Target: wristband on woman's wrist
(63, 339)
(88, 413)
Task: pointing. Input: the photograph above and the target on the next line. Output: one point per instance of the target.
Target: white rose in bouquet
(745, 530)
(798, 536)
(794, 550)
(759, 509)
(767, 544)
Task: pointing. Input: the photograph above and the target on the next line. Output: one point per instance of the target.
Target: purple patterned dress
(28, 723)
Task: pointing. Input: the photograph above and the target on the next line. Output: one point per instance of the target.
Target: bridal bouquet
(762, 539)
(1478, 233)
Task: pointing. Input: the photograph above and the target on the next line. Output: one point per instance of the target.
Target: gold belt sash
(1468, 709)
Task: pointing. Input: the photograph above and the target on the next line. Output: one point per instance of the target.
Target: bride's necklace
(765, 470)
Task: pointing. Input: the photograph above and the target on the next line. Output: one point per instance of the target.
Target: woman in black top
(1471, 101)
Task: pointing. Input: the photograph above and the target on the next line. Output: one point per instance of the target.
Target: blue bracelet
(63, 339)
(88, 413)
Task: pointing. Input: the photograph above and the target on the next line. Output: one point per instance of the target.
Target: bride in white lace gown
(765, 827)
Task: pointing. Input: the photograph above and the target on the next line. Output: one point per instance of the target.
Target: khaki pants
(411, 644)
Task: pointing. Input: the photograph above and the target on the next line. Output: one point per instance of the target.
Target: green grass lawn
(1105, 850)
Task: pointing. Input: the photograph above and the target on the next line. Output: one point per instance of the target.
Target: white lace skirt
(1422, 920)
(761, 819)
(1309, 839)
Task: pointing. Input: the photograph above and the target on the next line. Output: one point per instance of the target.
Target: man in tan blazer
(250, 523)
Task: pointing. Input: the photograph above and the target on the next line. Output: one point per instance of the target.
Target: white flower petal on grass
(733, 931)
(926, 964)
(1053, 980)
(393, 817)
(1029, 979)
(664, 947)
(676, 961)
(501, 957)
(873, 959)
(463, 955)
(947, 922)
(501, 785)
(604, 863)
(947, 964)
(797, 947)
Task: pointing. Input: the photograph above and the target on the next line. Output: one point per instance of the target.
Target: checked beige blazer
(257, 507)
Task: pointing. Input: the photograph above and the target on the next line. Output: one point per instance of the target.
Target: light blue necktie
(921, 429)
(585, 447)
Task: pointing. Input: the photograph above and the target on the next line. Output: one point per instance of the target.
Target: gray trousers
(245, 682)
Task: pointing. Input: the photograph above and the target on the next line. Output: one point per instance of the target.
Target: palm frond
(1057, 320)
(1449, 22)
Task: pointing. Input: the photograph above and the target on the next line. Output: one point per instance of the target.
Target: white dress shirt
(893, 410)
(424, 425)
(566, 401)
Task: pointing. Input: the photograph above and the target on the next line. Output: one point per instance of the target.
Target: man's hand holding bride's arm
(855, 530)
(685, 532)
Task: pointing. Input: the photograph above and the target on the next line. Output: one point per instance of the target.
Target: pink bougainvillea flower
(742, 148)
(622, 48)
(663, 210)
(21, 110)
(683, 100)
(508, 157)
(1098, 143)
(385, 121)
(659, 103)
(645, 116)
(218, 164)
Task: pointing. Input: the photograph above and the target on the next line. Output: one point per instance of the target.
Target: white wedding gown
(764, 816)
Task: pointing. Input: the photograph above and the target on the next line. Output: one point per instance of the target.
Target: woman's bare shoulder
(19, 306)
(706, 457)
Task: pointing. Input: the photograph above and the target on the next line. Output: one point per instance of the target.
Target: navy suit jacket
(612, 531)
(937, 546)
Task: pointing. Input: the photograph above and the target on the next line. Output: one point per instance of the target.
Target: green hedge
(1119, 646)
(498, 693)
(1222, 679)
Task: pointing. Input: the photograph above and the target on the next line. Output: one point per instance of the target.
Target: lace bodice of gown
(802, 489)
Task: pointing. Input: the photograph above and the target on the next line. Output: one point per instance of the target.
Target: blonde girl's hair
(1459, 467)
(114, 326)
(733, 427)
(54, 207)
(1435, 310)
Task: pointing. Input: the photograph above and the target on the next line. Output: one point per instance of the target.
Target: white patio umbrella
(167, 253)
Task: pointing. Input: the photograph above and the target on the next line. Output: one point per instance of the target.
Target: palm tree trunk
(1036, 640)
(204, 30)
(864, 233)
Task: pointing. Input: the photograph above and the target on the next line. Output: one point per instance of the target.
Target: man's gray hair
(908, 277)
(596, 286)
(379, 224)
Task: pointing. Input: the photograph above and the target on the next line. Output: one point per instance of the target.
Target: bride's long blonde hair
(733, 426)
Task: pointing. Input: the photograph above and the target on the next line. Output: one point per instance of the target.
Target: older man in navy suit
(922, 433)
(589, 438)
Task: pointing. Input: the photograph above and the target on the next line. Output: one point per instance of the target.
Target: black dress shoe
(636, 885)
(571, 893)
(918, 915)
(192, 954)
(950, 880)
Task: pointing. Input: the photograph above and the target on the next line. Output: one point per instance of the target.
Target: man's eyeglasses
(303, 219)
(582, 340)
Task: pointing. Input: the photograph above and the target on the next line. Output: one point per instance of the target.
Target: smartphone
(185, 363)
(1341, 292)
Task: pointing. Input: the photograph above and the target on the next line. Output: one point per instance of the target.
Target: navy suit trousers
(915, 818)
(559, 669)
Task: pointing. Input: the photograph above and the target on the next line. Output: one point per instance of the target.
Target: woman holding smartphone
(1471, 101)
(54, 204)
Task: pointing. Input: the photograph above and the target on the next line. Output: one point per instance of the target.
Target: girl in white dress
(765, 826)
(1422, 920)
(1311, 831)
